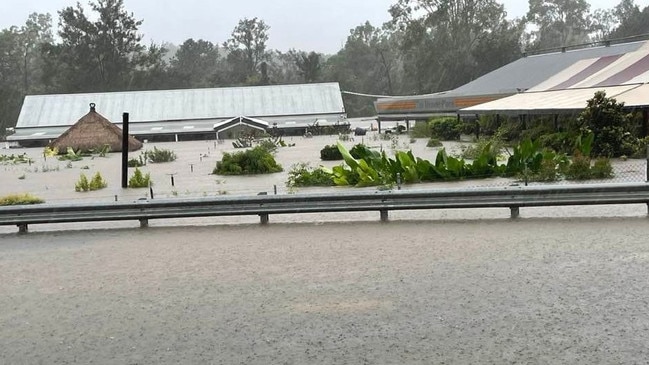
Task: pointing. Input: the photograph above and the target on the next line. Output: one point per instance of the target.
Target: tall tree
(366, 64)
(309, 65)
(99, 55)
(247, 50)
(440, 38)
(195, 64)
(631, 20)
(21, 64)
(10, 79)
(559, 23)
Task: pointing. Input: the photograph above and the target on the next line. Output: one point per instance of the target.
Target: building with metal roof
(519, 76)
(623, 77)
(188, 113)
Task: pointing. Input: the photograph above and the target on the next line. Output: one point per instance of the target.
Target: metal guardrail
(513, 197)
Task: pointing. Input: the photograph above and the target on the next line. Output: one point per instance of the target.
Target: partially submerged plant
(96, 183)
(159, 155)
(139, 180)
(20, 199)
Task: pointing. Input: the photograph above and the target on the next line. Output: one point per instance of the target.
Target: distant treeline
(428, 46)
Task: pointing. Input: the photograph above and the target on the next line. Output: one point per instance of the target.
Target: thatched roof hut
(93, 132)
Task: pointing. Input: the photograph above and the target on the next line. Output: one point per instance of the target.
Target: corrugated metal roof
(179, 105)
(202, 126)
(545, 102)
(548, 70)
(530, 71)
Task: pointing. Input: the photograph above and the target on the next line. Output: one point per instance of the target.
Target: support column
(384, 215)
(22, 228)
(264, 219)
(144, 223)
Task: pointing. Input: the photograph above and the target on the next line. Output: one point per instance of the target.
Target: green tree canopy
(559, 23)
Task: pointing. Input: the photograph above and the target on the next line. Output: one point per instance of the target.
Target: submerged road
(537, 290)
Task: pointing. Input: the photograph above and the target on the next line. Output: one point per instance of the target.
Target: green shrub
(137, 162)
(579, 168)
(330, 153)
(159, 155)
(96, 183)
(20, 199)
(641, 148)
(605, 117)
(253, 161)
(446, 128)
(420, 130)
(82, 184)
(558, 142)
(303, 175)
(269, 145)
(357, 150)
(602, 169)
(473, 151)
(139, 180)
(548, 172)
(434, 142)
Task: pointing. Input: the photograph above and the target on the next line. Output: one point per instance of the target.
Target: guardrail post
(22, 228)
(264, 219)
(384, 215)
(515, 212)
(144, 223)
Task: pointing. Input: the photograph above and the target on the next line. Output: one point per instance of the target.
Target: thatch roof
(93, 132)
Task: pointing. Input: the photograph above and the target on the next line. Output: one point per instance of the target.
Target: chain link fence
(192, 173)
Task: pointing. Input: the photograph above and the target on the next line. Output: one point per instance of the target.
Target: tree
(247, 50)
(559, 23)
(21, 64)
(10, 80)
(36, 33)
(99, 55)
(631, 20)
(440, 38)
(195, 64)
(366, 64)
(308, 64)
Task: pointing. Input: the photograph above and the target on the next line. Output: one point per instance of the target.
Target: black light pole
(124, 150)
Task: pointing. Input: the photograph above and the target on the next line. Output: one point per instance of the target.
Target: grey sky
(306, 25)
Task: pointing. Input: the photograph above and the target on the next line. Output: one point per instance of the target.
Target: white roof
(636, 97)
(180, 105)
(546, 102)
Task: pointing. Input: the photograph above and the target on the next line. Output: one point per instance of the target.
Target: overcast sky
(305, 25)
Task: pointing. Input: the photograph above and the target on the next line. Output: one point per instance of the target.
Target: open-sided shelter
(551, 71)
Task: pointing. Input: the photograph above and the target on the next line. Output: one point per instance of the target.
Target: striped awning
(626, 69)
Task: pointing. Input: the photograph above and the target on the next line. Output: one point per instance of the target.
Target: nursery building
(550, 83)
(189, 114)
